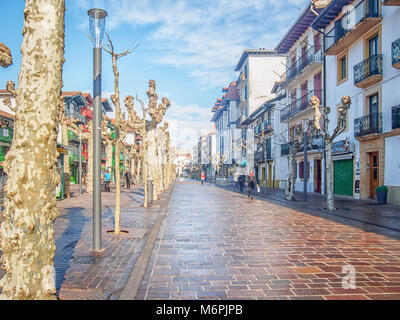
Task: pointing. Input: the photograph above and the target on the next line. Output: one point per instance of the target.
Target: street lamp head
(97, 25)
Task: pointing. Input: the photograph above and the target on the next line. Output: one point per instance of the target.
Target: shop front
(343, 168)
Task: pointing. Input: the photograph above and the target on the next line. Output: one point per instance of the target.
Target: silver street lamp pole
(97, 22)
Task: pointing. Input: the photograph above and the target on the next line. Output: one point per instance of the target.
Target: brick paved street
(218, 244)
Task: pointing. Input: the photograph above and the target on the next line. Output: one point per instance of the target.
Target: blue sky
(189, 47)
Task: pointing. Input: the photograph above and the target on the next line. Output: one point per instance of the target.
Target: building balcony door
(374, 173)
(317, 175)
(318, 85)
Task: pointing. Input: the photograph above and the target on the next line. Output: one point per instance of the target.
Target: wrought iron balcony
(305, 60)
(263, 127)
(300, 104)
(368, 72)
(75, 115)
(351, 26)
(316, 145)
(263, 151)
(369, 124)
(396, 54)
(396, 117)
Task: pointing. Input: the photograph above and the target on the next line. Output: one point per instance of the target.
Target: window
(342, 68)
(317, 42)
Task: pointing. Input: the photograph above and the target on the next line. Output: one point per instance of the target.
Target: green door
(343, 177)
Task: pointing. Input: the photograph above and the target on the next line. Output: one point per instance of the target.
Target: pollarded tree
(156, 114)
(27, 233)
(323, 112)
(119, 129)
(5, 56)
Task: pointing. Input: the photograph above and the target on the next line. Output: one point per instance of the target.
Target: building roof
(77, 96)
(252, 52)
(7, 115)
(330, 13)
(297, 29)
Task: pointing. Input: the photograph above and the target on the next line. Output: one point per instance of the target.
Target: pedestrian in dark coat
(251, 184)
(127, 179)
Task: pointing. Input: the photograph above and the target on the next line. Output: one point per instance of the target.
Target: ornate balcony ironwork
(369, 124)
(368, 72)
(305, 60)
(352, 25)
(396, 117)
(75, 115)
(396, 54)
(263, 151)
(316, 145)
(300, 104)
(263, 127)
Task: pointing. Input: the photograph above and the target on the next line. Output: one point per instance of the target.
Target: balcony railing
(300, 104)
(6, 134)
(305, 60)
(369, 124)
(316, 145)
(263, 127)
(366, 69)
(396, 117)
(350, 21)
(75, 115)
(396, 54)
(264, 151)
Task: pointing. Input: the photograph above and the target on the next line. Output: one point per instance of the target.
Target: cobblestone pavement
(217, 244)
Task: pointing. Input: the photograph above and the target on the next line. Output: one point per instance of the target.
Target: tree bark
(330, 200)
(27, 234)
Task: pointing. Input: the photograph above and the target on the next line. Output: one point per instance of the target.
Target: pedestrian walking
(203, 176)
(236, 181)
(127, 179)
(251, 184)
(241, 182)
(107, 180)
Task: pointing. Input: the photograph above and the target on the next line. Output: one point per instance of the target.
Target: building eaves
(329, 13)
(252, 52)
(301, 24)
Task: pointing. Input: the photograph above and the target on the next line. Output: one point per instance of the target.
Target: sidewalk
(363, 211)
(82, 274)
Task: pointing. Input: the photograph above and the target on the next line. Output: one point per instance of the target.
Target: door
(269, 175)
(317, 175)
(373, 7)
(374, 173)
(373, 113)
(343, 177)
(318, 85)
(304, 101)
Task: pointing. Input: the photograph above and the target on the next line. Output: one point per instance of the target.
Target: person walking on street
(203, 176)
(241, 183)
(251, 184)
(107, 180)
(127, 179)
(236, 181)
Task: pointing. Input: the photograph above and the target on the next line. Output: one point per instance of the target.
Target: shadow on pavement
(66, 243)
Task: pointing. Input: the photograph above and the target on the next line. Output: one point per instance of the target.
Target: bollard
(149, 191)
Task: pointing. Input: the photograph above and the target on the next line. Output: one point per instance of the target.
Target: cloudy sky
(189, 47)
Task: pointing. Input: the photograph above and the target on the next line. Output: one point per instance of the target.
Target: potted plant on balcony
(381, 194)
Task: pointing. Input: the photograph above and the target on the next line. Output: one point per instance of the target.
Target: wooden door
(269, 175)
(304, 100)
(317, 175)
(374, 173)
